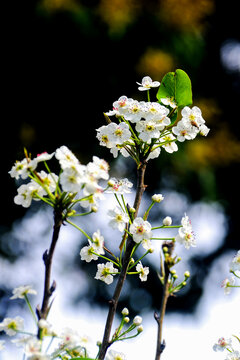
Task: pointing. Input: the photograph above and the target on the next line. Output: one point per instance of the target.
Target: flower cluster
(74, 179)
(154, 126)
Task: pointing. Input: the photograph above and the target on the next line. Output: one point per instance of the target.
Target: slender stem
(30, 308)
(164, 299)
(47, 258)
(126, 258)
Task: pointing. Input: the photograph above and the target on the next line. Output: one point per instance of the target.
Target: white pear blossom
(222, 344)
(44, 156)
(227, 285)
(118, 106)
(119, 186)
(69, 338)
(11, 325)
(143, 272)
(72, 178)
(33, 346)
(65, 157)
(192, 117)
(235, 355)
(185, 234)
(23, 168)
(99, 168)
(169, 143)
(134, 110)
(119, 218)
(49, 180)
(185, 131)
(148, 129)
(103, 135)
(140, 230)
(119, 133)
(235, 263)
(147, 83)
(114, 355)
(106, 272)
(169, 102)
(154, 153)
(26, 192)
(87, 252)
(98, 241)
(21, 291)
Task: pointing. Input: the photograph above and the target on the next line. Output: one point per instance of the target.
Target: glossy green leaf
(176, 86)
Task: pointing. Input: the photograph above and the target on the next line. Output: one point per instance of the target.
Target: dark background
(66, 61)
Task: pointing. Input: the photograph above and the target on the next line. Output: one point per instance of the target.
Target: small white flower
(21, 291)
(72, 178)
(186, 237)
(98, 168)
(119, 218)
(119, 133)
(106, 272)
(44, 156)
(114, 355)
(222, 344)
(103, 135)
(143, 272)
(49, 180)
(69, 338)
(148, 129)
(11, 325)
(169, 102)
(140, 230)
(65, 157)
(23, 168)
(192, 117)
(121, 186)
(235, 263)
(134, 110)
(147, 83)
(169, 143)
(167, 221)
(203, 130)
(98, 241)
(137, 320)
(154, 153)
(235, 355)
(33, 346)
(184, 131)
(87, 252)
(227, 284)
(157, 198)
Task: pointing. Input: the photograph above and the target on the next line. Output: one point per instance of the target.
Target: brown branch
(42, 312)
(165, 295)
(127, 257)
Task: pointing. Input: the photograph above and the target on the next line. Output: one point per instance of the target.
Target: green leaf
(176, 86)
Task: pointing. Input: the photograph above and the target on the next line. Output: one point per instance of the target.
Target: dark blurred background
(66, 61)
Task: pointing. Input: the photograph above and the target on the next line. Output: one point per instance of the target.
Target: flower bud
(132, 210)
(94, 208)
(167, 221)
(126, 319)
(140, 329)
(187, 274)
(137, 320)
(111, 183)
(125, 311)
(157, 198)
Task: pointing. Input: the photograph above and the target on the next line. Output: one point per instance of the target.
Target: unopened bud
(187, 274)
(132, 210)
(137, 320)
(125, 311)
(111, 183)
(94, 208)
(140, 329)
(167, 221)
(157, 198)
(126, 319)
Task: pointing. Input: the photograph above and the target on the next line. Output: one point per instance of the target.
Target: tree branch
(127, 257)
